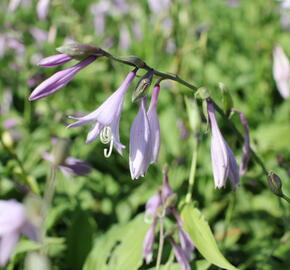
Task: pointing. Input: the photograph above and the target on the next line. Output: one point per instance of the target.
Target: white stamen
(107, 137)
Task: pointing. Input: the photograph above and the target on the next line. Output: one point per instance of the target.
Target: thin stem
(161, 243)
(192, 170)
(229, 214)
(286, 198)
(47, 197)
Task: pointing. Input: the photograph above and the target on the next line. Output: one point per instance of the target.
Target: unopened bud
(275, 184)
(78, 50)
(132, 60)
(142, 86)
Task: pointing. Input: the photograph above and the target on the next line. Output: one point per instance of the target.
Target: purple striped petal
(148, 242)
(154, 124)
(180, 256)
(224, 164)
(59, 79)
(54, 60)
(140, 143)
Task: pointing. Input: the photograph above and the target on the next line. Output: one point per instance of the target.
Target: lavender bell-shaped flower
(140, 143)
(59, 79)
(107, 117)
(224, 164)
(281, 71)
(154, 124)
(13, 223)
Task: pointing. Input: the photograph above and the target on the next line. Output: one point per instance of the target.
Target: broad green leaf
(120, 248)
(202, 236)
(80, 238)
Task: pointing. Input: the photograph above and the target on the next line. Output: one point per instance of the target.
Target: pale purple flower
(59, 79)
(246, 147)
(54, 60)
(106, 118)
(180, 256)
(42, 9)
(281, 71)
(149, 241)
(154, 124)
(140, 143)
(13, 223)
(70, 166)
(223, 161)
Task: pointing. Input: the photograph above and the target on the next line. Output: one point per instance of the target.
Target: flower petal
(59, 79)
(140, 143)
(7, 245)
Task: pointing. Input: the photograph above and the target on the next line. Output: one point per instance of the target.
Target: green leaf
(80, 238)
(120, 248)
(202, 236)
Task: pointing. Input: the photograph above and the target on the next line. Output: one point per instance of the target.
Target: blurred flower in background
(13, 223)
(281, 71)
(59, 158)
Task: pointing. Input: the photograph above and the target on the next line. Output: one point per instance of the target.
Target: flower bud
(275, 184)
(132, 60)
(78, 50)
(142, 86)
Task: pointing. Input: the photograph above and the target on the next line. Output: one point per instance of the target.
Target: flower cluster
(157, 207)
(145, 130)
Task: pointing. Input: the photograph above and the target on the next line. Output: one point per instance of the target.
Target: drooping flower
(59, 158)
(149, 241)
(106, 118)
(281, 71)
(42, 9)
(59, 79)
(224, 164)
(180, 256)
(13, 223)
(140, 143)
(154, 124)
